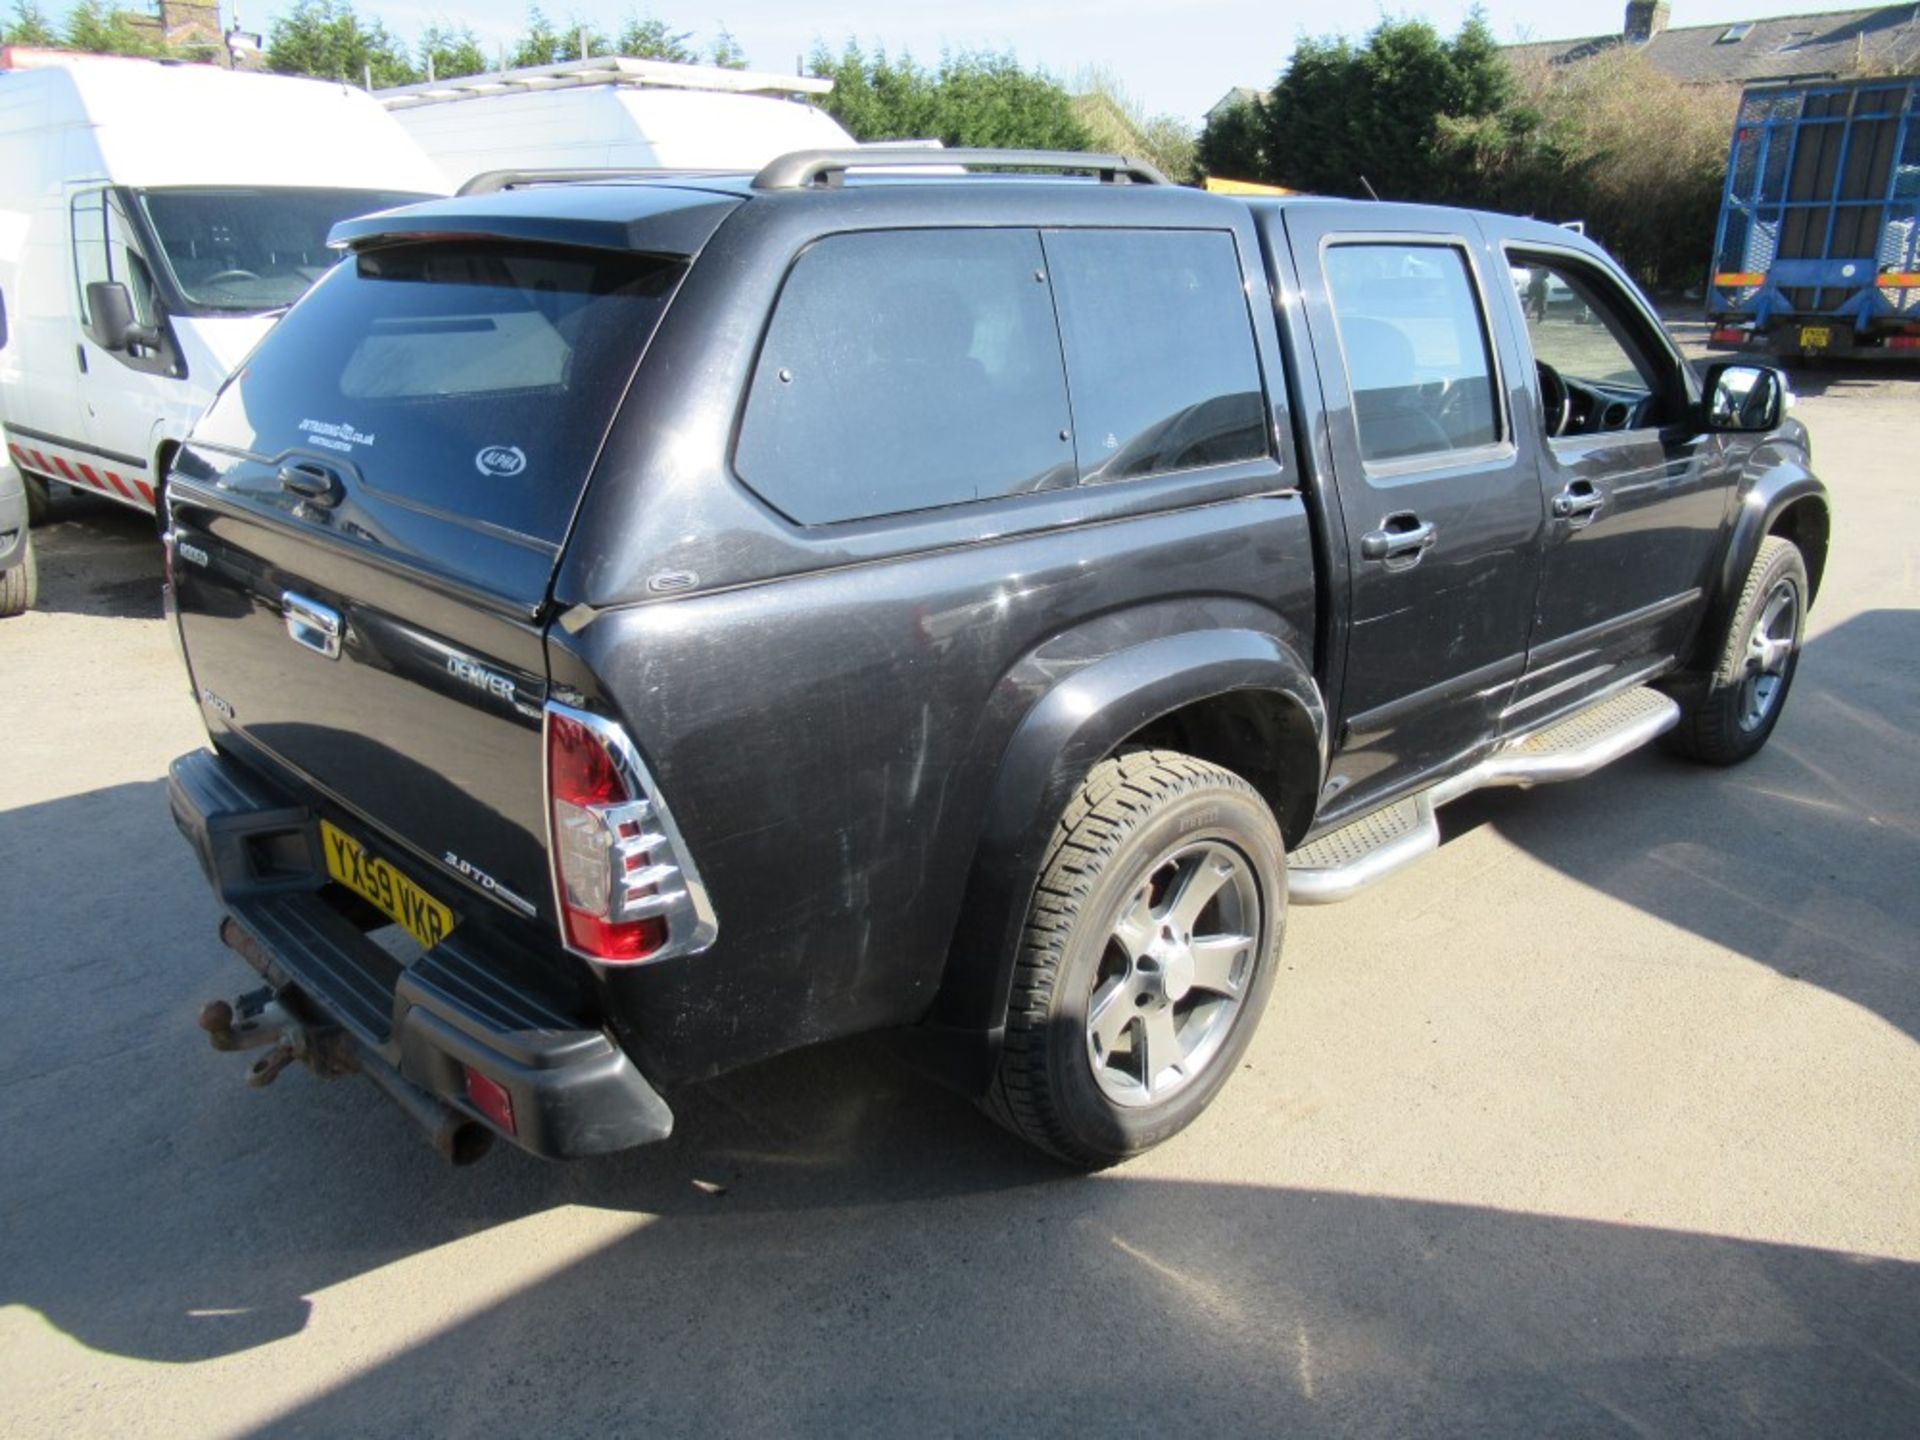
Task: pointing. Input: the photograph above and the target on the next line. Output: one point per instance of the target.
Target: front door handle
(1400, 537)
(1578, 503)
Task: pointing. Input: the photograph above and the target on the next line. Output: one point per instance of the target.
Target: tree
(1116, 121)
(725, 51)
(1233, 143)
(1343, 117)
(541, 45)
(974, 98)
(93, 27)
(449, 53)
(326, 39)
(29, 26)
(649, 39)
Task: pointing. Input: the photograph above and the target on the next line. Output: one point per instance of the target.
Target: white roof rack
(602, 70)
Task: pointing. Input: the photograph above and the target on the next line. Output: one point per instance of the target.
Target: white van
(613, 111)
(154, 219)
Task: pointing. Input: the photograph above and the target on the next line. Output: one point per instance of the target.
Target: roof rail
(491, 182)
(812, 167)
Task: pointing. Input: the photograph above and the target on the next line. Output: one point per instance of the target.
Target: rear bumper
(573, 1091)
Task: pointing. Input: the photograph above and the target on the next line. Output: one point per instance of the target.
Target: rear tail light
(625, 887)
(1904, 342)
(1729, 337)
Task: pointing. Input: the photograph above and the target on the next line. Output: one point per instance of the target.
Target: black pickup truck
(648, 623)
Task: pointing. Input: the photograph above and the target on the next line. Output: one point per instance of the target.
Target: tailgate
(365, 527)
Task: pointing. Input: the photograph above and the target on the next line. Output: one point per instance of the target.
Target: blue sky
(1176, 56)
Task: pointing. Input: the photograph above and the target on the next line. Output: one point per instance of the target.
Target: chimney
(1646, 19)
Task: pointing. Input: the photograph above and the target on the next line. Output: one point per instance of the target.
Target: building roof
(1239, 95)
(1884, 40)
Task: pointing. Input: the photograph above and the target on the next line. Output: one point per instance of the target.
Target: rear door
(366, 524)
(1442, 514)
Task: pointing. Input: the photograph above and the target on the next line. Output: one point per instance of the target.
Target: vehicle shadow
(97, 558)
(1804, 859)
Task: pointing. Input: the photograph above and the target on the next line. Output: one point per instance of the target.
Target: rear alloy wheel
(1758, 657)
(1147, 958)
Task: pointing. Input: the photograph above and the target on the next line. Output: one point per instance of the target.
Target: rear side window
(1160, 355)
(474, 380)
(1417, 354)
(907, 370)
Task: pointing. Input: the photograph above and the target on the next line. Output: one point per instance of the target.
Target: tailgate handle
(315, 484)
(312, 624)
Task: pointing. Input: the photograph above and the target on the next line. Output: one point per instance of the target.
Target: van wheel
(20, 586)
(1743, 700)
(1147, 957)
(39, 502)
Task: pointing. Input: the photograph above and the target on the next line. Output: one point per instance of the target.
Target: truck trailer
(1818, 250)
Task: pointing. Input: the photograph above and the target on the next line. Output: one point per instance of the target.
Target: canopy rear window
(472, 379)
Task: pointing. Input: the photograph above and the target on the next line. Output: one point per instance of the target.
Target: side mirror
(1741, 397)
(111, 320)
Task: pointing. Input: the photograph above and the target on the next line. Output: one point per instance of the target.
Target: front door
(126, 393)
(1635, 492)
(1441, 511)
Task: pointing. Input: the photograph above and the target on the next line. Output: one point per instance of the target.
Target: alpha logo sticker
(500, 460)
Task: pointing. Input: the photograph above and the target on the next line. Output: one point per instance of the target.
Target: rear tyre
(20, 585)
(39, 502)
(1758, 658)
(1146, 960)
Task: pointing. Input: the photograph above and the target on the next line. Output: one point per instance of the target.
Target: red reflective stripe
(87, 471)
(146, 494)
(18, 453)
(118, 486)
(41, 461)
(64, 468)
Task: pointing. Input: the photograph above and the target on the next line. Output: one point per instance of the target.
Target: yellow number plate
(1816, 337)
(392, 893)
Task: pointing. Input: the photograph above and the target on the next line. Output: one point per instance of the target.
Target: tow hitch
(259, 1019)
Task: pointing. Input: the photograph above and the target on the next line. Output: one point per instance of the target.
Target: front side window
(1160, 353)
(905, 371)
(1595, 373)
(1417, 354)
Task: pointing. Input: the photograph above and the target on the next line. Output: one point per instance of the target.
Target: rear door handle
(1579, 502)
(312, 624)
(1398, 538)
(315, 484)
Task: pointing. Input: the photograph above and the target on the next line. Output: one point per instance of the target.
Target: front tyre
(1147, 957)
(1758, 657)
(19, 585)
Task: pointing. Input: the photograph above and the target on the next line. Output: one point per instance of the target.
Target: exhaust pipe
(460, 1139)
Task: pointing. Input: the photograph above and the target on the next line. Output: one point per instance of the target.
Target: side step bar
(1344, 861)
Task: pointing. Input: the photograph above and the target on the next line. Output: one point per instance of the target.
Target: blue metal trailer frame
(1830, 172)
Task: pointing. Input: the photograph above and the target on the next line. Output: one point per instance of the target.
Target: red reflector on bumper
(490, 1098)
(1904, 342)
(1729, 337)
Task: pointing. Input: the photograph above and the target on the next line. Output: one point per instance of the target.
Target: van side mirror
(1743, 397)
(111, 320)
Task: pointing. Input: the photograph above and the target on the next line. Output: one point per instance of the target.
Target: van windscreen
(247, 250)
(471, 379)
